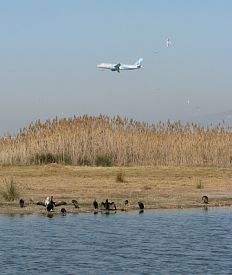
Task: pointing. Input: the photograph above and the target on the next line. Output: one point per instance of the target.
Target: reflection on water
(156, 242)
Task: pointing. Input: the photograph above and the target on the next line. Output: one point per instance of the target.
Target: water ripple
(157, 242)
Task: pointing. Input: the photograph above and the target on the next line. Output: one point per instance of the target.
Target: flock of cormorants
(50, 204)
(106, 205)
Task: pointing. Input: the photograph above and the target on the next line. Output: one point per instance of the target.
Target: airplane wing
(112, 67)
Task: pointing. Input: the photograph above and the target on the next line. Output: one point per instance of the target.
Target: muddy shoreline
(13, 208)
(156, 187)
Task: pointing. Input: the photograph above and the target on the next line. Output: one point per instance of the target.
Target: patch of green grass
(120, 177)
(200, 185)
(104, 160)
(46, 158)
(83, 161)
(11, 193)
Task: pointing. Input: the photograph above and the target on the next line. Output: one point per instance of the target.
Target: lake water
(192, 241)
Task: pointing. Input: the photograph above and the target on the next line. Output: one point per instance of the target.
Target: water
(155, 242)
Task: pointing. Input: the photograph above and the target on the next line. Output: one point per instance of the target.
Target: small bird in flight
(168, 43)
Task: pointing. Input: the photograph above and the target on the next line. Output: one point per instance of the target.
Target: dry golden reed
(119, 141)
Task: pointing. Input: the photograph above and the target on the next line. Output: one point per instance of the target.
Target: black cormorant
(21, 203)
(141, 205)
(75, 203)
(95, 204)
(63, 211)
(205, 199)
(51, 204)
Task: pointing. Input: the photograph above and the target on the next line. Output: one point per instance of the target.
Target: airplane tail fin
(139, 62)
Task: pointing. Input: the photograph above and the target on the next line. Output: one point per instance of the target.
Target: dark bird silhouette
(109, 205)
(75, 203)
(141, 205)
(205, 199)
(49, 200)
(63, 211)
(95, 204)
(50, 205)
(21, 203)
(126, 202)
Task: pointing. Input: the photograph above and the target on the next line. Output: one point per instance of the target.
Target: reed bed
(84, 140)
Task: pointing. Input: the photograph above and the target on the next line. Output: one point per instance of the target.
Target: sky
(49, 51)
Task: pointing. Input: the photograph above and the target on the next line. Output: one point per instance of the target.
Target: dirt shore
(156, 187)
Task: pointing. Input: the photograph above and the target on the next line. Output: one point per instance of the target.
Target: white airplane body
(120, 67)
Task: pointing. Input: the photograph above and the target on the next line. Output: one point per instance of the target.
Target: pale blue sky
(49, 50)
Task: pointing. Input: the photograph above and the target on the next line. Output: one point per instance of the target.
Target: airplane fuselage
(130, 67)
(120, 67)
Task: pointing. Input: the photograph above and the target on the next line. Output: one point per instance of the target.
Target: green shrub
(120, 177)
(46, 158)
(104, 160)
(66, 159)
(200, 185)
(83, 161)
(11, 193)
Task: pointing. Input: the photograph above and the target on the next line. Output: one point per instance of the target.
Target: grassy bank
(157, 187)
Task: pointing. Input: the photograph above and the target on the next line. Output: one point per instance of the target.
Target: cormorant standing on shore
(205, 199)
(75, 203)
(21, 203)
(107, 205)
(95, 204)
(141, 205)
(51, 204)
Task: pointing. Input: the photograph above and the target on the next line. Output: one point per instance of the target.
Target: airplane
(120, 67)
